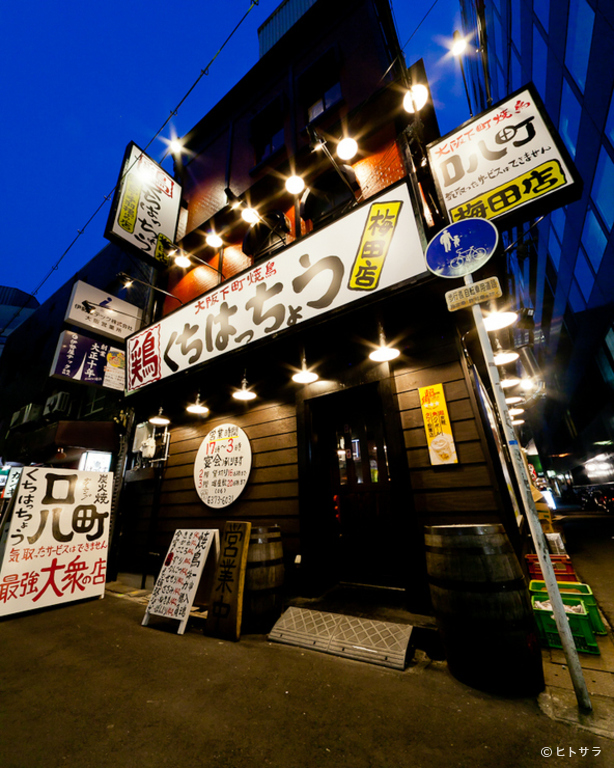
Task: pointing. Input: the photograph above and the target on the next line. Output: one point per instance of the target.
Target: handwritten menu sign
(222, 465)
(224, 619)
(58, 539)
(175, 587)
(437, 425)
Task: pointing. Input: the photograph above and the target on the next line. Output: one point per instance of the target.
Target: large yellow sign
(437, 425)
(374, 245)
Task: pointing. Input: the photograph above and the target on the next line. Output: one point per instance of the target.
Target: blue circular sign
(462, 247)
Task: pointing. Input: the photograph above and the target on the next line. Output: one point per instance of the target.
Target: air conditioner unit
(58, 403)
(32, 412)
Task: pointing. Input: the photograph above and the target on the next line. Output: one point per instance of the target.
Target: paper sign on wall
(222, 465)
(437, 425)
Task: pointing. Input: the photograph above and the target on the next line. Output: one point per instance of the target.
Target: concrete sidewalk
(87, 686)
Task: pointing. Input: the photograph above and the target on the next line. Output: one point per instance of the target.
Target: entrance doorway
(358, 528)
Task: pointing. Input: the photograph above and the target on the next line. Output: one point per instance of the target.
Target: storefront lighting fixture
(527, 384)
(250, 215)
(232, 200)
(244, 393)
(384, 353)
(495, 321)
(295, 185)
(517, 422)
(197, 408)
(513, 400)
(181, 260)
(175, 147)
(458, 48)
(317, 142)
(213, 240)
(347, 148)
(509, 382)
(503, 356)
(415, 98)
(305, 376)
(159, 420)
(128, 280)
(516, 411)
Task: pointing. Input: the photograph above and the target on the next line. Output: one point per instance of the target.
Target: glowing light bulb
(347, 148)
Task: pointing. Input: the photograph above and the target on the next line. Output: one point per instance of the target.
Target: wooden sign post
(225, 613)
(175, 587)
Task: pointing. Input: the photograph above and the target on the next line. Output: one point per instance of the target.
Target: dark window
(319, 87)
(268, 130)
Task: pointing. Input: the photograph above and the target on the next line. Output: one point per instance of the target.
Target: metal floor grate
(378, 642)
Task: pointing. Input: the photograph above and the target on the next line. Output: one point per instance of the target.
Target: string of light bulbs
(108, 197)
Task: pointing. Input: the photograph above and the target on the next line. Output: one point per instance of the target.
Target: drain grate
(378, 642)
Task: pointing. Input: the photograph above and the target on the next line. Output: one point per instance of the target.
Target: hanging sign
(437, 425)
(462, 248)
(81, 358)
(376, 246)
(58, 537)
(102, 313)
(475, 293)
(175, 588)
(222, 465)
(145, 208)
(507, 162)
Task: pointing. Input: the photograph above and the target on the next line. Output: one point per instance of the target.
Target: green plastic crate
(580, 625)
(575, 589)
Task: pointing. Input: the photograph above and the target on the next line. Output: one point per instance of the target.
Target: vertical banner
(225, 613)
(177, 582)
(58, 538)
(437, 425)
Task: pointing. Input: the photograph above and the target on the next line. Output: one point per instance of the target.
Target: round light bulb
(503, 358)
(497, 320)
(175, 147)
(295, 185)
(415, 98)
(250, 215)
(516, 411)
(459, 45)
(517, 422)
(347, 148)
(527, 384)
(511, 382)
(214, 241)
(244, 394)
(181, 260)
(305, 377)
(513, 400)
(197, 408)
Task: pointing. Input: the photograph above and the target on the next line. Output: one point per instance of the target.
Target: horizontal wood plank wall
(271, 494)
(455, 493)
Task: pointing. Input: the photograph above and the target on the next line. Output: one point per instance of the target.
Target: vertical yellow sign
(374, 245)
(437, 425)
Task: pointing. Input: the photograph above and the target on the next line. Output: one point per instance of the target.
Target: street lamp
(458, 48)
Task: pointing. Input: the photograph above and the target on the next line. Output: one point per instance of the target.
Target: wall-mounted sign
(437, 425)
(375, 247)
(179, 577)
(504, 163)
(222, 465)
(105, 314)
(58, 539)
(462, 247)
(80, 358)
(145, 208)
(468, 295)
(12, 482)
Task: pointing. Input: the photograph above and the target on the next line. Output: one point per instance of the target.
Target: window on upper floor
(569, 122)
(594, 240)
(542, 11)
(584, 275)
(609, 125)
(320, 87)
(540, 62)
(554, 248)
(557, 219)
(267, 130)
(579, 34)
(516, 25)
(603, 184)
(576, 301)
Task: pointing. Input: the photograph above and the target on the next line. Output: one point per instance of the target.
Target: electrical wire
(172, 114)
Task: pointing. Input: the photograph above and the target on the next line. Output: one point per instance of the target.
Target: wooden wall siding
(461, 492)
(271, 494)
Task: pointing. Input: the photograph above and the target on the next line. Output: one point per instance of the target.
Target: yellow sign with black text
(374, 245)
(439, 438)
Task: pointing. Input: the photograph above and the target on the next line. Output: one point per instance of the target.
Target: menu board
(58, 538)
(222, 465)
(176, 585)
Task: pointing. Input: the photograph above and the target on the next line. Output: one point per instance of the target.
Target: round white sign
(222, 465)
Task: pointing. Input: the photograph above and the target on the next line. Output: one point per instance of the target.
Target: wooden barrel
(482, 607)
(264, 578)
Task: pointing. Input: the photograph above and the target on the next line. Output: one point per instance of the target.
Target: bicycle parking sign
(462, 247)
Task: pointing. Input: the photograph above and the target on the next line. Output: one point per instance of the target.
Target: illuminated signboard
(375, 247)
(145, 208)
(508, 163)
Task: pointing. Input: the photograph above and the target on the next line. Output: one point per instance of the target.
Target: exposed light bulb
(503, 358)
(213, 240)
(497, 320)
(415, 98)
(250, 215)
(347, 148)
(511, 382)
(181, 260)
(384, 354)
(295, 185)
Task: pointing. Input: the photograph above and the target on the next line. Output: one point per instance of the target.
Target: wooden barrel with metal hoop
(264, 578)
(482, 607)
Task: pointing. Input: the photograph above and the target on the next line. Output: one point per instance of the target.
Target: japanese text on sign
(504, 159)
(222, 465)
(306, 281)
(437, 425)
(58, 539)
(468, 295)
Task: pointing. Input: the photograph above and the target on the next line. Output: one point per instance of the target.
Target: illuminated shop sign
(373, 248)
(89, 361)
(145, 208)
(504, 163)
(102, 313)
